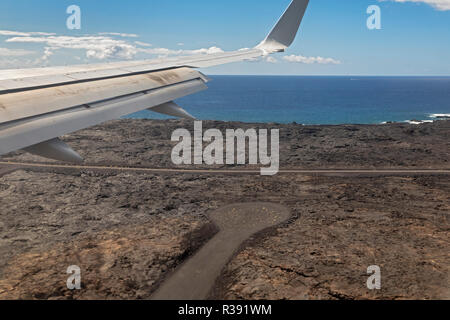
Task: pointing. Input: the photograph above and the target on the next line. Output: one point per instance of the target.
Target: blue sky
(414, 39)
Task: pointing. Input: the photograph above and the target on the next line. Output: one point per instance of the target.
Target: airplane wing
(39, 105)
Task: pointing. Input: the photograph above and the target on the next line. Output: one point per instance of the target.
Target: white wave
(418, 121)
(440, 115)
(388, 122)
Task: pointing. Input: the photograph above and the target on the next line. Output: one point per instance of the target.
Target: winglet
(284, 32)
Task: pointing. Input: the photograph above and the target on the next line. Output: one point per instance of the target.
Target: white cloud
(310, 60)
(14, 63)
(271, 59)
(142, 44)
(23, 34)
(95, 46)
(442, 5)
(117, 34)
(5, 52)
(98, 47)
(48, 52)
(170, 52)
(211, 50)
(105, 46)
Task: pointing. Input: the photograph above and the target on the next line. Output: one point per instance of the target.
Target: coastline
(147, 143)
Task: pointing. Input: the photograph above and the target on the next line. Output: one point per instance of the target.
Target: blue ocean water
(317, 100)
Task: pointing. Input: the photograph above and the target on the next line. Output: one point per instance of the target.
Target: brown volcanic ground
(128, 231)
(147, 143)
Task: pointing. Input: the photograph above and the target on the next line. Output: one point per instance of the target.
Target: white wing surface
(39, 105)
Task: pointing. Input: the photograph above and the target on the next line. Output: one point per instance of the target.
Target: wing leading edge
(39, 105)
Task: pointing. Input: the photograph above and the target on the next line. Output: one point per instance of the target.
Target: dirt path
(25, 165)
(195, 278)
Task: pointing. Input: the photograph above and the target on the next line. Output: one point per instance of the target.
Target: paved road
(195, 278)
(224, 171)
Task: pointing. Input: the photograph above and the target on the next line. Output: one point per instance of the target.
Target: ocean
(318, 100)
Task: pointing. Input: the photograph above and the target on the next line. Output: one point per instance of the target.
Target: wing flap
(25, 133)
(172, 109)
(55, 149)
(19, 105)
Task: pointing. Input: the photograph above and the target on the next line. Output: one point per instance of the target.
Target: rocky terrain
(345, 225)
(128, 231)
(147, 143)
